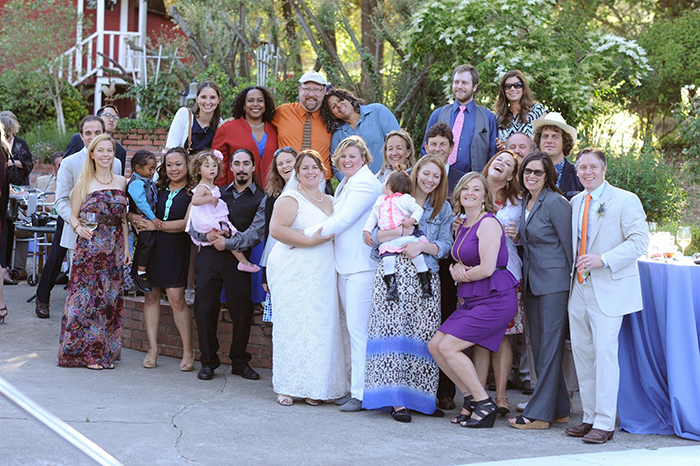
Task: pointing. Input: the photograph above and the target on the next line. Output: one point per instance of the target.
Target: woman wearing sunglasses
(545, 235)
(515, 107)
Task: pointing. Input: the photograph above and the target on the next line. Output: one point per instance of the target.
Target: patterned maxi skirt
(399, 369)
(91, 328)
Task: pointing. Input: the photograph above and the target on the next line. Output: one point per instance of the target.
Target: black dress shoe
(402, 415)
(205, 373)
(42, 310)
(246, 372)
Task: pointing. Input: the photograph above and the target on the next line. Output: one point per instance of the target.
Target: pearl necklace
(309, 194)
(111, 178)
(256, 126)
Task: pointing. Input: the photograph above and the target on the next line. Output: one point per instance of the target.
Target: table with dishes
(660, 346)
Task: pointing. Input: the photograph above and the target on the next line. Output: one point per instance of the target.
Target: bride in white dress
(308, 357)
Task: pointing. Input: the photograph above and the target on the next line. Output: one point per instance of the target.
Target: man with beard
(216, 266)
(474, 127)
(299, 124)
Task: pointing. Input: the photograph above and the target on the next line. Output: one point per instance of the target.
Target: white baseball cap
(313, 76)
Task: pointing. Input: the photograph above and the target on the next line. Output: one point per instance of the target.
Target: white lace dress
(308, 358)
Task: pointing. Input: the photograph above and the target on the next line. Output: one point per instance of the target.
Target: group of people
(378, 287)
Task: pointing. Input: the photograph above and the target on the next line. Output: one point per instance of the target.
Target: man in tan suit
(609, 235)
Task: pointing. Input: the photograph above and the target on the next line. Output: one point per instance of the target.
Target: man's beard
(242, 181)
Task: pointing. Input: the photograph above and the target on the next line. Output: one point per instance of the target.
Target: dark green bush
(645, 173)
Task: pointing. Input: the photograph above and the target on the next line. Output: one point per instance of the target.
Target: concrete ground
(166, 417)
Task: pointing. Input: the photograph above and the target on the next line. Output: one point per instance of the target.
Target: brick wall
(137, 139)
(134, 334)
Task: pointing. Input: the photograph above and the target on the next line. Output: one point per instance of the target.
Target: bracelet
(75, 228)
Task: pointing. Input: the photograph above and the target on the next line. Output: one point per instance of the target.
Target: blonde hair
(439, 194)
(82, 186)
(457, 207)
(410, 156)
(352, 141)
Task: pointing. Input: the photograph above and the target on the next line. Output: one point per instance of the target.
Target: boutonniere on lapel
(601, 210)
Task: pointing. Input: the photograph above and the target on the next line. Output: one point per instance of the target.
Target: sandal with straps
(503, 405)
(284, 400)
(469, 407)
(3, 314)
(486, 411)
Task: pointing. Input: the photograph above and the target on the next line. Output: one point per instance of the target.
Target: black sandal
(486, 410)
(469, 406)
(3, 314)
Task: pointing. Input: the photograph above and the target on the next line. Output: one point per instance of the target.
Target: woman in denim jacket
(400, 374)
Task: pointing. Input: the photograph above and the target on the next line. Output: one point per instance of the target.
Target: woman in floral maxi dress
(92, 320)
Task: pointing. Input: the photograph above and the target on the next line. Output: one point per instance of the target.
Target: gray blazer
(546, 240)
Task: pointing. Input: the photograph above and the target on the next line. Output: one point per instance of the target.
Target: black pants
(52, 267)
(448, 303)
(144, 247)
(213, 269)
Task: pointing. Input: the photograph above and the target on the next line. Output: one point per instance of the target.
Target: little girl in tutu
(397, 208)
(208, 213)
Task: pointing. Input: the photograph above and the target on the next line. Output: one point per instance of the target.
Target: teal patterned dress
(91, 329)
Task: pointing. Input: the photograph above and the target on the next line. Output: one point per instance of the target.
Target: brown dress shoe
(42, 310)
(579, 430)
(598, 436)
(446, 403)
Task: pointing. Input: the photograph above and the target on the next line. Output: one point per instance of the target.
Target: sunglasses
(529, 171)
(509, 86)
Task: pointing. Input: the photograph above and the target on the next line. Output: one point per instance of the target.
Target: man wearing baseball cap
(299, 124)
(556, 139)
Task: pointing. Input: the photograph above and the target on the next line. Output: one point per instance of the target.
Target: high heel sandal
(503, 405)
(469, 406)
(3, 314)
(151, 363)
(184, 367)
(486, 410)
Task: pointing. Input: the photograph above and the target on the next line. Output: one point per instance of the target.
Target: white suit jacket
(352, 205)
(621, 234)
(67, 176)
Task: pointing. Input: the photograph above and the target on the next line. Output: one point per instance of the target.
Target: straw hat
(555, 119)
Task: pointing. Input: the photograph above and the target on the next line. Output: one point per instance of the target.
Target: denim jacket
(437, 231)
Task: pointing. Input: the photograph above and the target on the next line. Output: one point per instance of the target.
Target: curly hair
(331, 122)
(194, 167)
(457, 206)
(567, 139)
(502, 107)
(163, 179)
(550, 173)
(216, 117)
(275, 182)
(511, 191)
(238, 106)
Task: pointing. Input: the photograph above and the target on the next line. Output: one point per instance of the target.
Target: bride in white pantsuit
(353, 202)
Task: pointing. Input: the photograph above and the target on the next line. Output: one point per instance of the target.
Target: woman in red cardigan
(250, 129)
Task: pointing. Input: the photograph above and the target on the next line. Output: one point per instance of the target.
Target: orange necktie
(584, 234)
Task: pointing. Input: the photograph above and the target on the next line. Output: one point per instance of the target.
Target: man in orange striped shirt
(291, 120)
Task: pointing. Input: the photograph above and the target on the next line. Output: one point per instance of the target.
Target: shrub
(51, 140)
(645, 173)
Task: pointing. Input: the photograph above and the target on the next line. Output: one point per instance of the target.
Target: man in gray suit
(609, 235)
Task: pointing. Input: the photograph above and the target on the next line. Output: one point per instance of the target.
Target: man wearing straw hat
(556, 139)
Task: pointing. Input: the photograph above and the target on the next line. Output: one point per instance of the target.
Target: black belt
(110, 220)
(500, 267)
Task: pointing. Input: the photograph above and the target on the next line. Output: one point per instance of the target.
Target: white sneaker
(189, 296)
(521, 407)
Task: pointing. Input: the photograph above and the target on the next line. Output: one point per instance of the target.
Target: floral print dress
(92, 320)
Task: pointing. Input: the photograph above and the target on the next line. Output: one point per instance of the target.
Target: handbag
(267, 309)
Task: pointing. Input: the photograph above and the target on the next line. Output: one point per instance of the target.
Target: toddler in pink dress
(394, 209)
(208, 213)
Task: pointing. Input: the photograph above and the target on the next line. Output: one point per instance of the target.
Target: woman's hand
(368, 238)
(413, 250)
(137, 221)
(317, 238)
(264, 286)
(460, 273)
(158, 224)
(456, 223)
(127, 256)
(84, 232)
(512, 232)
(408, 222)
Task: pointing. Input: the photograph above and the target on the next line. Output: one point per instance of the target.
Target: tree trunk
(373, 47)
(55, 89)
(243, 68)
(291, 36)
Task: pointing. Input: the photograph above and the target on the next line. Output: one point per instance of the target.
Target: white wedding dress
(308, 356)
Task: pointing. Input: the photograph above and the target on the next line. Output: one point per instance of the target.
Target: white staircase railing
(82, 60)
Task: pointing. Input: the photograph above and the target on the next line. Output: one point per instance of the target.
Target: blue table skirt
(660, 354)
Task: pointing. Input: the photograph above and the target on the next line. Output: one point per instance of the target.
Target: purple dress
(486, 306)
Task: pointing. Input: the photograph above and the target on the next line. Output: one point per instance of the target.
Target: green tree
(34, 36)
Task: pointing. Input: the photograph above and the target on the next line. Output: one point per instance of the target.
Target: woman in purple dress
(486, 297)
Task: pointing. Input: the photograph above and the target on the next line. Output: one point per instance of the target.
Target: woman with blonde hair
(398, 152)
(92, 319)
